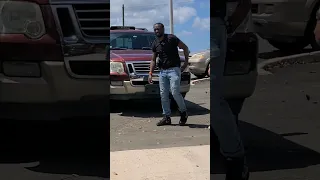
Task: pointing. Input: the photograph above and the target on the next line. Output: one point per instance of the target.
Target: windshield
(131, 40)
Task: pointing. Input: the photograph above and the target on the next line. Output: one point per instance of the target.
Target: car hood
(132, 55)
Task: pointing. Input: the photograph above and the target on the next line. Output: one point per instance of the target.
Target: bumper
(275, 20)
(54, 94)
(279, 30)
(198, 68)
(240, 86)
(136, 89)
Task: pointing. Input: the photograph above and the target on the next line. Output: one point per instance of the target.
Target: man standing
(222, 120)
(165, 46)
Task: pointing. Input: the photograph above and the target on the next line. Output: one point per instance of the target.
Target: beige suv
(287, 24)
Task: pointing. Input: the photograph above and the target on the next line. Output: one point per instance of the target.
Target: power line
(160, 4)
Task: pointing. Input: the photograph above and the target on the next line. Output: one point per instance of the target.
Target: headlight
(116, 67)
(19, 17)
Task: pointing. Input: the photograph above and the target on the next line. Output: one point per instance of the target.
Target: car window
(131, 40)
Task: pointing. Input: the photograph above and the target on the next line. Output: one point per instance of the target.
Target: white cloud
(204, 5)
(184, 33)
(201, 23)
(143, 13)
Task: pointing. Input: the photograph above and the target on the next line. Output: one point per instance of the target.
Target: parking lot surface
(133, 123)
(281, 126)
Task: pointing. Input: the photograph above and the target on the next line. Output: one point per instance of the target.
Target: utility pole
(171, 15)
(122, 14)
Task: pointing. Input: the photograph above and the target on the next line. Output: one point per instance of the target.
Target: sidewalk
(178, 163)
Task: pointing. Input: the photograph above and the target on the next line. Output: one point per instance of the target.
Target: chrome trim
(75, 49)
(139, 76)
(134, 70)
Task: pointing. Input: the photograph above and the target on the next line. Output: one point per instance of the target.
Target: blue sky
(191, 18)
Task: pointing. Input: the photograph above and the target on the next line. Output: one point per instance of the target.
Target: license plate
(152, 89)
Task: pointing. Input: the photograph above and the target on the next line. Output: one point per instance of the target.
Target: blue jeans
(169, 81)
(222, 120)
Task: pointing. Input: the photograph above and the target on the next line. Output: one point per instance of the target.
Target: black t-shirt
(167, 51)
(218, 8)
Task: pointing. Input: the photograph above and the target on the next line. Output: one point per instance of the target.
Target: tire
(207, 70)
(298, 45)
(206, 73)
(200, 76)
(173, 104)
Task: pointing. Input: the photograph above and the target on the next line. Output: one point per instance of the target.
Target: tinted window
(131, 40)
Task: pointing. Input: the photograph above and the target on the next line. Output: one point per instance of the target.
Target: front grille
(93, 19)
(254, 8)
(143, 68)
(90, 68)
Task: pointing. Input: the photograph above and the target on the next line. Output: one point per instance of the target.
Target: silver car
(199, 63)
(287, 24)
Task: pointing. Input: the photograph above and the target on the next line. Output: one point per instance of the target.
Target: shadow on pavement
(267, 151)
(278, 53)
(152, 108)
(70, 147)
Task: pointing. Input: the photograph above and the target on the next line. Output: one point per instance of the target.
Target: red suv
(52, 57)
(130, 56)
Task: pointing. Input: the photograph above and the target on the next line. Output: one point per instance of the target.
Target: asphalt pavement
(133, 123)
(280, 126)
(43, 150)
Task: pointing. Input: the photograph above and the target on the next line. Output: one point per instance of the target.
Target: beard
(159, 34)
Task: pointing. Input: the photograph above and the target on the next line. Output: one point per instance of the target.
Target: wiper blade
(146, 48)
(117, 48)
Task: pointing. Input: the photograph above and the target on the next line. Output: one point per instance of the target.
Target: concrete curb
(264, 66)
(175, 163)
(197, 81)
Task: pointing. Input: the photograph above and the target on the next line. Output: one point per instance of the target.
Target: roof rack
(144, 29)
(122, 28)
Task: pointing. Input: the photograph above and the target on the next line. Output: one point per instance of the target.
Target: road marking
(179, 163)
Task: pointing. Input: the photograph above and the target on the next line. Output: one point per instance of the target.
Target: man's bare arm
(241, 11)
(185, 49)
(153, 62)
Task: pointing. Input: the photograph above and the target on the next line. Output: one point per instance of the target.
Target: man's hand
(150, 79)
(317, 31)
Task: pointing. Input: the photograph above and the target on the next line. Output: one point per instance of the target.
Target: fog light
(116, 83)
(21, 69)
